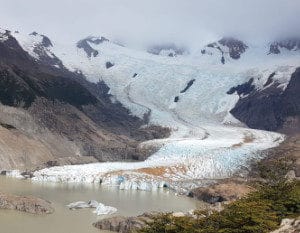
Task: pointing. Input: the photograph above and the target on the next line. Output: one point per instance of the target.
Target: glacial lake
(63, 220)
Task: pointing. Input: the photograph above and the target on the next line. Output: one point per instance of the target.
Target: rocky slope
(272, 108)
(50, 115)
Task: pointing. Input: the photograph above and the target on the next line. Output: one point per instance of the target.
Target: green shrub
(260, 212)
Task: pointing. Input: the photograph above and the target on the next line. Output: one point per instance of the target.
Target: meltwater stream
(63, 220)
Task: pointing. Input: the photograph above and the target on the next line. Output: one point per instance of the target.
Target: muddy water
(128, 203)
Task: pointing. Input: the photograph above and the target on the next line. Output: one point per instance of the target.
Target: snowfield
(207, 142)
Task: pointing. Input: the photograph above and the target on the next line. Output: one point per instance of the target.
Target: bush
(260, 212)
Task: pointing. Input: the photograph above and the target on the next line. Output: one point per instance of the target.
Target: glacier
(206, 142)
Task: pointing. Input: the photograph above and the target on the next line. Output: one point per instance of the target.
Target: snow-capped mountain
(206, 98)
(226, 48)
(290, 44)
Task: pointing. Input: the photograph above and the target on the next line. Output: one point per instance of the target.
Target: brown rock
(221, 192)
(27, 204)
(123, 224)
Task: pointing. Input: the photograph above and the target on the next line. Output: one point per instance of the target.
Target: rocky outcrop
(291, 44)
(289, 226)
(28, 204)
(188, 85)
(289, 150)
(88, 49)
(236, 47)
(272, 107)
(243, 89)
(123, 224)
(227, 47)
(41, 49)
(225, 191)
(109, 64)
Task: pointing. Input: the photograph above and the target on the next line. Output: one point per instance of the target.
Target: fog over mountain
(192, 22)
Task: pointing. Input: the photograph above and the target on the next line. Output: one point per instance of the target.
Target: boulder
(123, 224)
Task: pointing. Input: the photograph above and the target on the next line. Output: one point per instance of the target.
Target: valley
(137, 128)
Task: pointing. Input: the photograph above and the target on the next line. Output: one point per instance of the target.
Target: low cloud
(138, 22)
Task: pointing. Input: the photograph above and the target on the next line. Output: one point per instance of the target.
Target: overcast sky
(190, 22)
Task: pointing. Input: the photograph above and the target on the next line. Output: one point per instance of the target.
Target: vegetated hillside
(260, 211)
(56, 116)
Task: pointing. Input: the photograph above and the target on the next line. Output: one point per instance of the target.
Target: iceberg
(78, 205)
(100, 209)
(103, 209)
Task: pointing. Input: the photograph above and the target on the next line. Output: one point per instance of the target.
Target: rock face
(84, 44)
(51, 114)
(227, 191)
(123, 224)
(109, 65)
(292, 44)
(227, 47)
(242, 89)
(28, 204)
(236, 47)
(271, 107)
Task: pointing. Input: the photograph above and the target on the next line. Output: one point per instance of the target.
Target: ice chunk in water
(78, 205)
(103, 209)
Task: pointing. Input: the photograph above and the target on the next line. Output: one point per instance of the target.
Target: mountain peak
(236, 47)
(227, 47)
(291, 44)
(85, 45)
(44, 40)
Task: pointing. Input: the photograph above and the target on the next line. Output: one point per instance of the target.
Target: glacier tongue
(207, 142)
